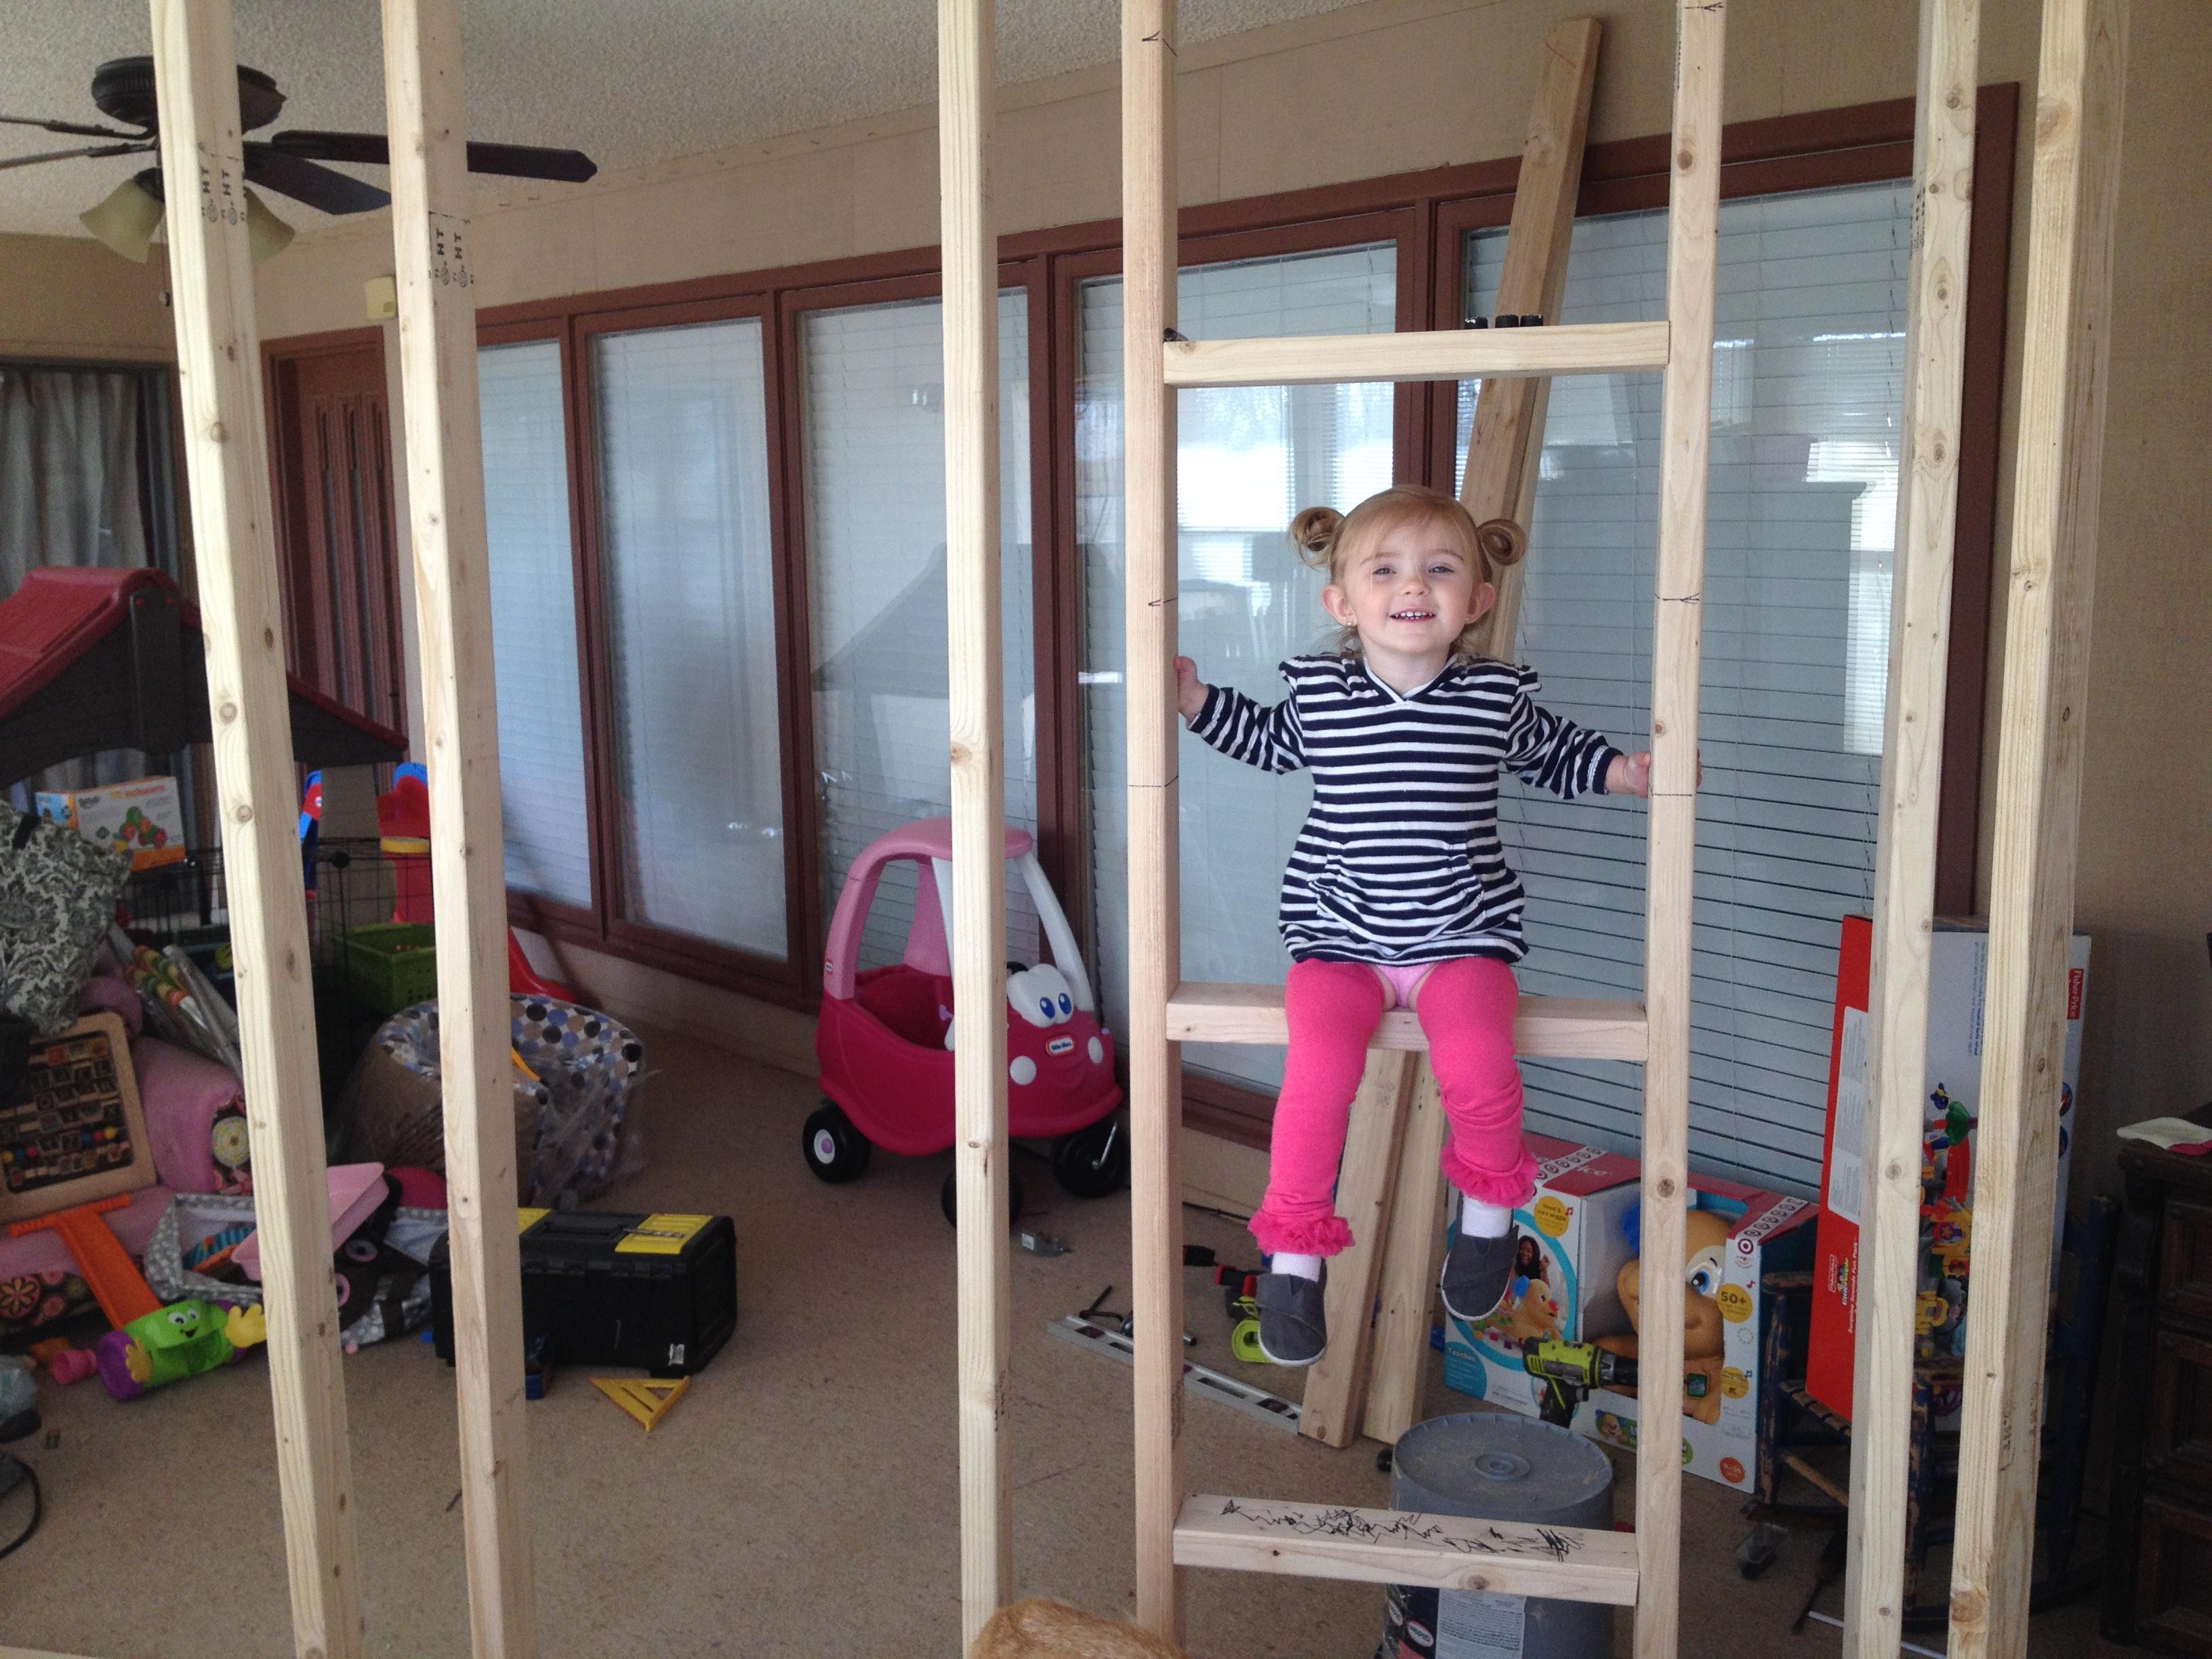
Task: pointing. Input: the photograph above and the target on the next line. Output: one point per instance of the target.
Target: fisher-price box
(1572, 1246)
(1733, 1236)
(144, 818)
(1957, 973)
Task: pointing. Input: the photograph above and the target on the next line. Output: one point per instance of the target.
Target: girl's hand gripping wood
(1190, 690)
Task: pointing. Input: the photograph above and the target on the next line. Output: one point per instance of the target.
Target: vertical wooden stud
(1686, 425)
(2056, 486)
(432, 244)
(1502, 451)
(1905, 863)
(226, 462)
(1148, 220)
(979, 805)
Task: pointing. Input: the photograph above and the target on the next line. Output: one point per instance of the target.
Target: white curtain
(70, 495)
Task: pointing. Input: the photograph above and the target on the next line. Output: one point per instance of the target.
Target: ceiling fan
(288, 162)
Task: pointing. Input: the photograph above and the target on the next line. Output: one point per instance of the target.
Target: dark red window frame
(1427, 214)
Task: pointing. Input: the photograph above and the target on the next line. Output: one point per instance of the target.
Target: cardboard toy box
(145, 816)
(1573, 1245)
(1735, 1235)
(1958, 970)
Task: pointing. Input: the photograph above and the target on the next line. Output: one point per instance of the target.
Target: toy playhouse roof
(93, 660)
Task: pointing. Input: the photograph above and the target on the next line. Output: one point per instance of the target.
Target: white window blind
(1807, 388)
(682, 431)
(1249, 458)
(533, 622)
(874, 383)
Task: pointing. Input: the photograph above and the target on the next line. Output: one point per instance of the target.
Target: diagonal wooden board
(1501, 482)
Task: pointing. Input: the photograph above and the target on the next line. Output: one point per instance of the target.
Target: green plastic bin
(391, 965)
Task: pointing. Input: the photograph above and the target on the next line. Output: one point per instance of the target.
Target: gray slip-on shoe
(1294, 1330)
(1476, 1272)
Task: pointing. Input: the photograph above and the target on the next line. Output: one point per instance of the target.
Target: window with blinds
(682, 437)
(533, 622)
(1249, 459)
(1806, 395)
(873, 378)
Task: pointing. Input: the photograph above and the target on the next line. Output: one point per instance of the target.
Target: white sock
(1305, 1266)
(1480, 1220)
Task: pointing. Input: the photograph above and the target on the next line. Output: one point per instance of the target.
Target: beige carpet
(801, 1499)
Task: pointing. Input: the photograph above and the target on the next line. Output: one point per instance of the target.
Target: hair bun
(1502, 541)
(1315, 531)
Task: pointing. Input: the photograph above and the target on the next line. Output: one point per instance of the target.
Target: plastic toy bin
(391, 965)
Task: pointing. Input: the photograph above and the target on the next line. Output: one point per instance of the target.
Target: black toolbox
(656, 1291)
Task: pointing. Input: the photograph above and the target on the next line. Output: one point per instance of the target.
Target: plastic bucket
(1493, 1465)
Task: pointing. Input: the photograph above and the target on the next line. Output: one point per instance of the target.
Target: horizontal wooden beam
(1404, 1547)
(1444, 354)
(1560, 1028)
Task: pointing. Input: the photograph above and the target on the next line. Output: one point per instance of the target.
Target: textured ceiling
(626, 83)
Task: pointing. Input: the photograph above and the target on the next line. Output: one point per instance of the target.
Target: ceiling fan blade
(74, 155)
(306, 181)
(373, 149)
(74, 129)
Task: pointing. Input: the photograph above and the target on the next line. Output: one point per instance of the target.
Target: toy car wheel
(835, 1150)
(949, 1199)
(1093, 1162)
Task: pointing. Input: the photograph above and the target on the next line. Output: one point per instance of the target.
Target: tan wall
(1405, 84)
(67, 296)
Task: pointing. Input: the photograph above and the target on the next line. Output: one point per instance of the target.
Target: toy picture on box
(144, 818)
(1958, 971)
(1566, 1343)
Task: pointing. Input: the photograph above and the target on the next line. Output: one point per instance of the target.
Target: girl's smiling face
(1410, 596)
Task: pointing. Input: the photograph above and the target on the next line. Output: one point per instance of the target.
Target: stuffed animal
(1704, 1335)
(175, 1342)
(1038, 1628)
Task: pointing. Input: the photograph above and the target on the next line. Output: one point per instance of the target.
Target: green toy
(175, 1342)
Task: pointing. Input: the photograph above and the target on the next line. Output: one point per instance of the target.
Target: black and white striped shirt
(1398, 859)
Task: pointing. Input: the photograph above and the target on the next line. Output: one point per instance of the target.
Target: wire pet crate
(351, 884)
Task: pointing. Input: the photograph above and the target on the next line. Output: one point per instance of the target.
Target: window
(533, 623)
(1808, 389)
(874, 380)
(690, 631)
(1250, 457)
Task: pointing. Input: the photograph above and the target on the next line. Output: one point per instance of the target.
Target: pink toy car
(885, 1034)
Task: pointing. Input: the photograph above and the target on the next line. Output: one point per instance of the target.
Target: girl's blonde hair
(1329, 541)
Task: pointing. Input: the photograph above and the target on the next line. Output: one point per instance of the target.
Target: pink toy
(73, 1364)
(884, 1036)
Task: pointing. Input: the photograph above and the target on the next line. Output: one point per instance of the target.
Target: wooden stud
(1578, 1028)
(433, 243)
(1148, 218)
(1905, 861)
(226, 462)
(1452, 354)
(2056, 490)
(965, 71)
(1500, 482)
(1329, 1409)
(1692, 254)
(1405, 1546)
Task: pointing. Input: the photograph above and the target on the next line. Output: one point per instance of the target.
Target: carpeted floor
(801, 1498)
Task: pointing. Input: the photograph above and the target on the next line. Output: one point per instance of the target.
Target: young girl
(1397, 892)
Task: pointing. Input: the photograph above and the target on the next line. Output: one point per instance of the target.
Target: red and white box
(1958, 974)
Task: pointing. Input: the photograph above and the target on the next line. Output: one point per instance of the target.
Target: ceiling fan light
(125, 223)
(266, 235)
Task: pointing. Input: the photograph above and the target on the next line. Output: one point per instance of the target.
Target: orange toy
(101, 1261)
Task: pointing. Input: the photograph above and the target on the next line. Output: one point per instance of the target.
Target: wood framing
(1500, 482)
(1155, 1060)
(1684, 433)
(431, 241)
(226, 462)
(1904, 859)
(1579, 1028)
(978, 922)
(1448, 353)
(2056, 489)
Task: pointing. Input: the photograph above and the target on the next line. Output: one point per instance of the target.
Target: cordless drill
(1566, 1372)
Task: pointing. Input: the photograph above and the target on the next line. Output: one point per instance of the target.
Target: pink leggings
(1466, 1010)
